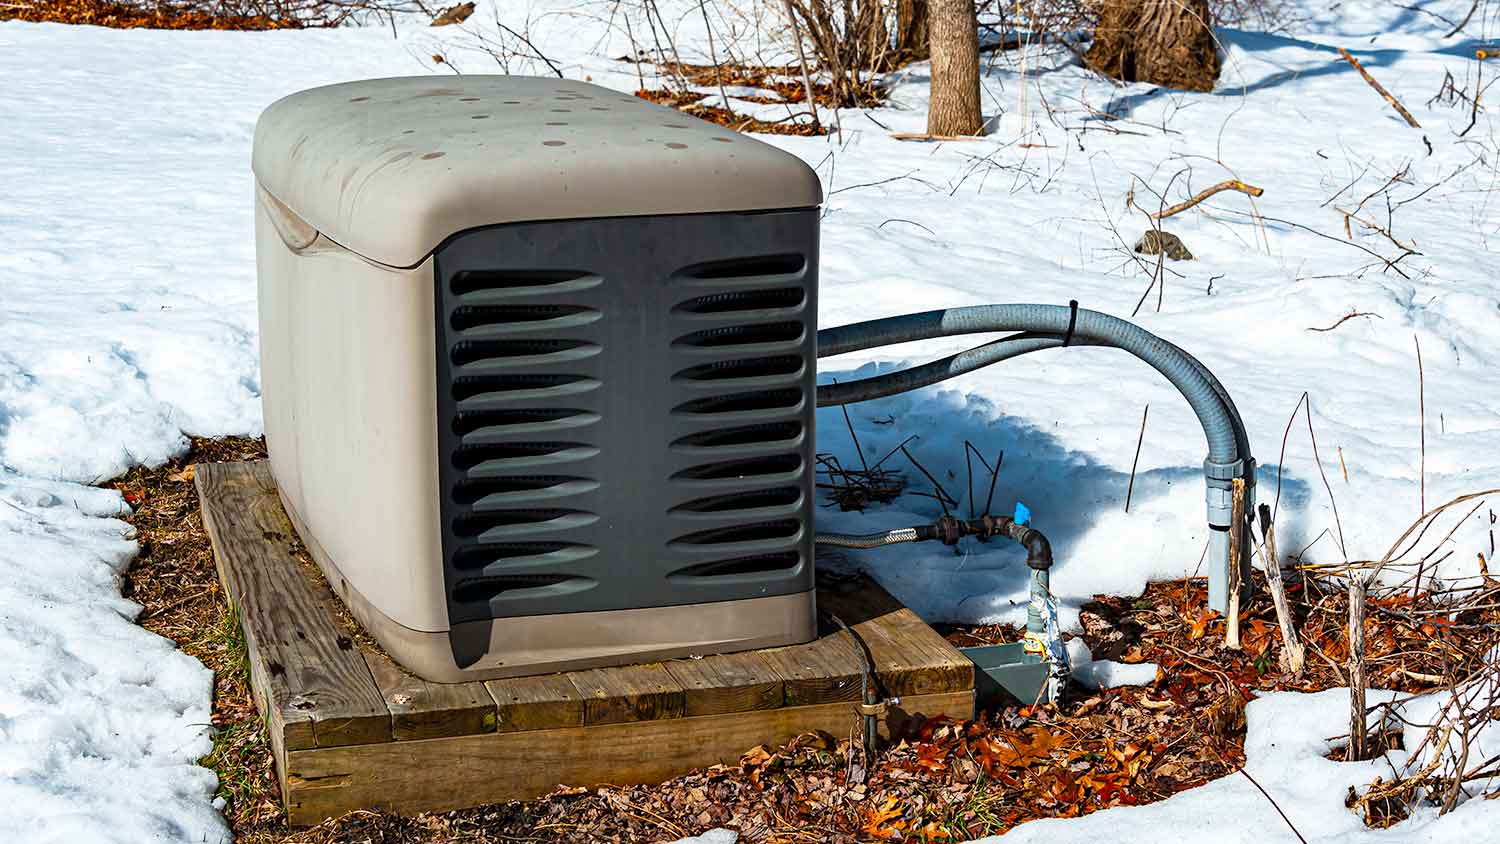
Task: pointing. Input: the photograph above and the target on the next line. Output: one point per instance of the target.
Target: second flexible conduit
(1042, 327)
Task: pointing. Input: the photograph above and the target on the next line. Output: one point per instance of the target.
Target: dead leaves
(885, 821)
(128, 16)
(1015, 750)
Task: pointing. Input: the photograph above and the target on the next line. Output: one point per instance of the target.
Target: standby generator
(537, 368)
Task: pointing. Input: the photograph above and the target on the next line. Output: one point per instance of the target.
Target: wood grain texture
(422, 710)
(514, 766)
(823, 671)
(910, 657)
(318, 691)
(739, 682)
(536, 703)
(628, 693)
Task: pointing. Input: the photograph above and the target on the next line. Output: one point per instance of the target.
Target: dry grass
(173, 579)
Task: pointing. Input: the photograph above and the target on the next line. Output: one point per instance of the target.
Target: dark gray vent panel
(626, 412)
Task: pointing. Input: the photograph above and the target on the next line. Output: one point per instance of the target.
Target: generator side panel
(625, 412)
(349, 408)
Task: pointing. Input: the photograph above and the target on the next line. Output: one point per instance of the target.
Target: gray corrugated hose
(1053, 326)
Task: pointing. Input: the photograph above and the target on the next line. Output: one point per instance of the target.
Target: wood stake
(1358, 737)
(1292, 656)
(1236, 560)
(1228, 184)
(1380, 89)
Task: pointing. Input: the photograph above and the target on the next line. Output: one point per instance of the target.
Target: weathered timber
(424, 710)
(517, 766)
(628, 693)
(536, 703)
(351, 730)
(739, 682)
(910, 658)
(317, 690)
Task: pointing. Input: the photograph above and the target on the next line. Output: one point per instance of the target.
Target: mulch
(947, 781)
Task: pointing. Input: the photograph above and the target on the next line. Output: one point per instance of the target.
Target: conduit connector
(1219, 496)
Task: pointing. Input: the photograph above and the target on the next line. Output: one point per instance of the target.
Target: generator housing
(538, 370)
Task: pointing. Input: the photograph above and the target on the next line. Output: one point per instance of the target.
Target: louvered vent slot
(745, 300)
(469, 527)
(470, 456)
(470, 351)
(518, 587)
(775, 465)
(757, 564)
(468, 422)
(743, 435)
(474, 281)
(760, 265)
(479, 556)
(741, 402)
(475, 316)
(758, 531)
(743, 335)
(754, 500)
(724, 370)
(469, 386)
(468, 492)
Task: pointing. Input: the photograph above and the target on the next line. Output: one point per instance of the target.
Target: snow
(1106, 673)
(127, 322)
(1285, 747)
(100, 721)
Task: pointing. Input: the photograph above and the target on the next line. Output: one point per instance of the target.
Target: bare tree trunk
(1164, 42)
(911, 30)
(954, 42)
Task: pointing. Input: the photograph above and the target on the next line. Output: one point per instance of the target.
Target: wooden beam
(740, 682)
(423, 710)
(350, 729)
(318, 690)
(823, 671)
(521, 765)
(536, 703)
(628, 693)
(910, 657)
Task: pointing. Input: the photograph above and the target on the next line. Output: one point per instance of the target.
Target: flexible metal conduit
(1053, 326)
(866, 541)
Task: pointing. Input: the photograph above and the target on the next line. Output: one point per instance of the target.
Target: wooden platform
(351, 730)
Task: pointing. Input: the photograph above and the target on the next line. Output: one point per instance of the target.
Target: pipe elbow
(1038, 548)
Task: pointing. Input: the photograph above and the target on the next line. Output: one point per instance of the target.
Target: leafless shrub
(851, 41)
(1454, 759)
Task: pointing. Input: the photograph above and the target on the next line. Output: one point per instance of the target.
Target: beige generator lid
(389, 168)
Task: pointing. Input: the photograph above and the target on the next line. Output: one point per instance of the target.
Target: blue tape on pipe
(1022, 515)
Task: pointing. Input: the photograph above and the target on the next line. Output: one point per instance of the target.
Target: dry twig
(1237, 527)
(1358, 739)
(1380, 89)
(1227, 184)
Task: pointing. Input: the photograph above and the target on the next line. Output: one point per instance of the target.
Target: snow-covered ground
(127, 321)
